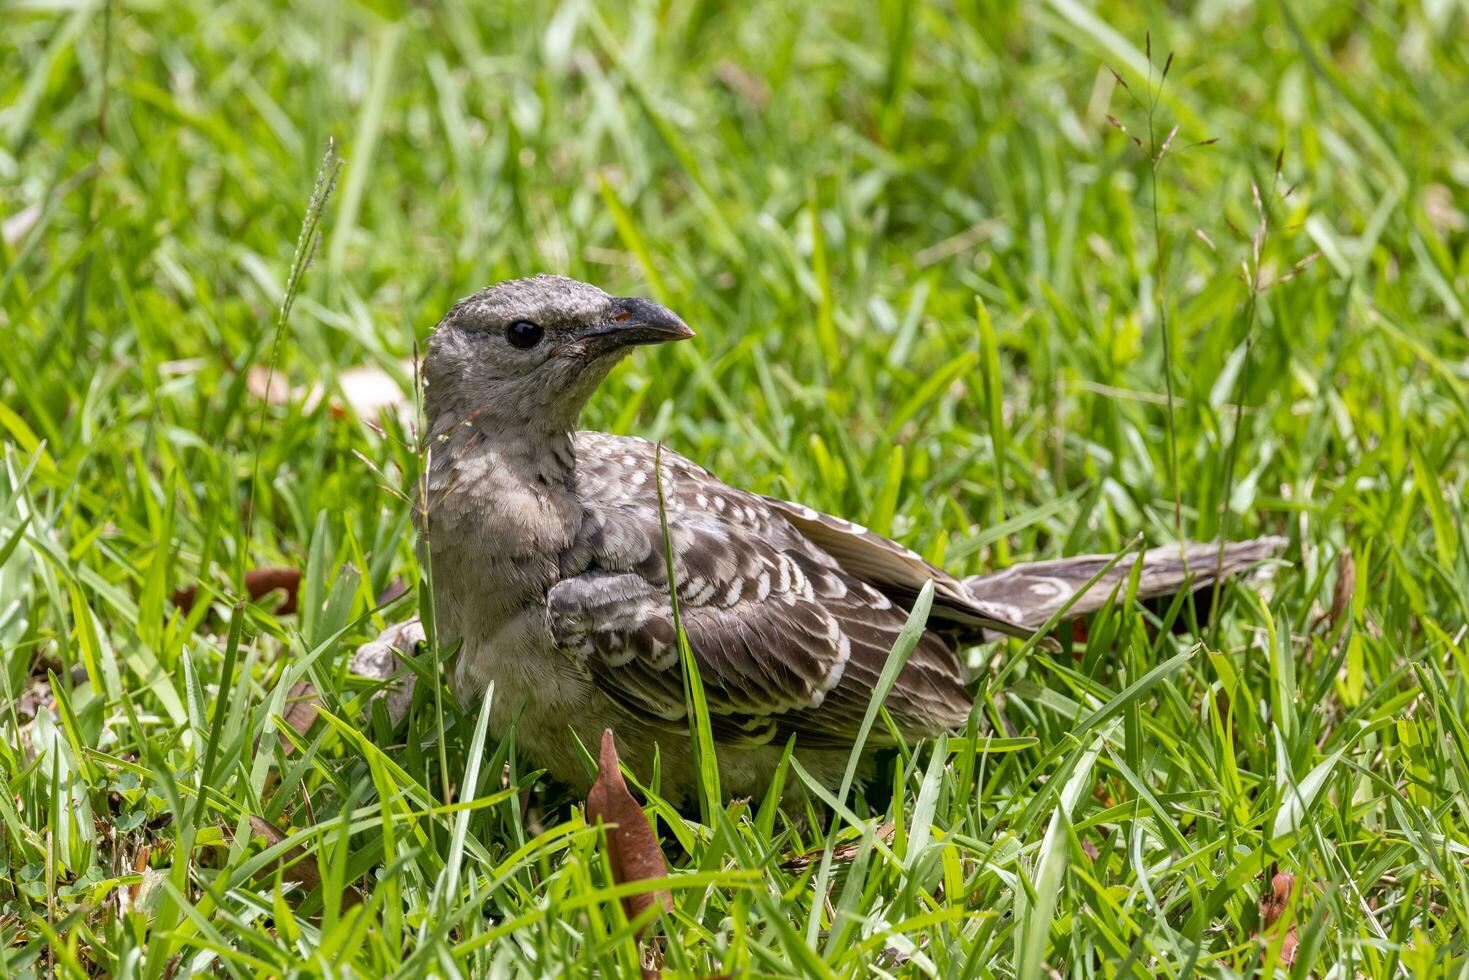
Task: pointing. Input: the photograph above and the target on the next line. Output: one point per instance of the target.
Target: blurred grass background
(822, 191)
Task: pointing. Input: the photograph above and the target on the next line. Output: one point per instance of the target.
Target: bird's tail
(1029, 594)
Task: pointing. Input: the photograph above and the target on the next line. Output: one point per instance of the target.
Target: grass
(825, 194)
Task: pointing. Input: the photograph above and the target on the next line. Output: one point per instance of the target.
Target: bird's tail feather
(1029, 594)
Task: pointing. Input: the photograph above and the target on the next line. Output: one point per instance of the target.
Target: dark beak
(636, 322)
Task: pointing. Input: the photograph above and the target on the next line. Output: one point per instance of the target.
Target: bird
(548, 569)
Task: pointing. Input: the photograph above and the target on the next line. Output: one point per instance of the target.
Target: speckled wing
(900, 574)
(786, 638)
(1020, 599)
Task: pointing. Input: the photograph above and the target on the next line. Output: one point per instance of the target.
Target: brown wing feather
(896, 571)
(786, 638)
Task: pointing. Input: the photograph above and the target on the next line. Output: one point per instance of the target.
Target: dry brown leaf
(395, 588)
(1341, 599)
(258, 582)
(842, 852)
(296, 865)
(1346, 587)
(302, 707)
(1274, 901)
(1273, 904)
(140, 864)
(632, 847)
(36, 697)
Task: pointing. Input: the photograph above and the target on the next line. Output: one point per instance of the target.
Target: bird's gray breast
(495, 536)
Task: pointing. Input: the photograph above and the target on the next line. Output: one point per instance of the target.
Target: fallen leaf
(752, 88)
(395, 588)
(367, 389)
(258, 582)
(1273, 902)
(272, 387)
(1346, 587)
(1078, 634)
(18, 225)
(632, 848)
(1438, 207)
(1272, 906)
(33, 700)
(296, 865)
(140, 864)
(842, 852)
(901, 951)
(303, 705)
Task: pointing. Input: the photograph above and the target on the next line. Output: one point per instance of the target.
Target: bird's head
(528, 353)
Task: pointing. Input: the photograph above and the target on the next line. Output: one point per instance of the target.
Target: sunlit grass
(893, 229)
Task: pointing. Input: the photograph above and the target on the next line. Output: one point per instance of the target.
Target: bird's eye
(524, 334)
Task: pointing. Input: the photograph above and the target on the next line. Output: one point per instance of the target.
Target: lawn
(1001, 280)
